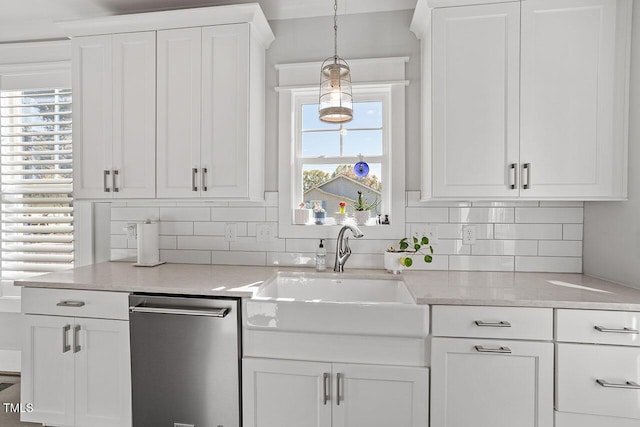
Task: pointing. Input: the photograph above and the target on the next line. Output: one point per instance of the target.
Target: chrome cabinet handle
(113, 181)
(214, 312)
(338, 382)
(514, 176)
(105, 181)
(204, 179)
(624, 330)
(501, 350)
(527, 168)
(627, 384)
(70, 304)
(325, 390)
(76, 339)
(500, 324)
(194, 186)
(65, 340)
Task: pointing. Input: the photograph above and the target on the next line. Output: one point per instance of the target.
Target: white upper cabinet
(572, 103)
(179, 87)
(114, 115)
(524, 99)
(210, 113)
(206, 110)
(476, 64)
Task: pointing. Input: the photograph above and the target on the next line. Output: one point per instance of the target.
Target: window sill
(371, 230)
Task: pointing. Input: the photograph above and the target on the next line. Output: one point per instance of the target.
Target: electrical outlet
(132, 230)
(265, 232)
(468, 235)
(428, 230)
(230, 232)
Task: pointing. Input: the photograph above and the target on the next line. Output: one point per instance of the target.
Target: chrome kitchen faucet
(343, 251)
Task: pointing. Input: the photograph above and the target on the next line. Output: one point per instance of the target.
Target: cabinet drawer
(565, 419)
(75, 303)
(600, 327)
(493, 322)
(598, 380)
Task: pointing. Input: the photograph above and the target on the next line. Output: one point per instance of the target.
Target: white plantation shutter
(36, 181)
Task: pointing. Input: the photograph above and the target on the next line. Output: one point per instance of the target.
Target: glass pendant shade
(336, 103)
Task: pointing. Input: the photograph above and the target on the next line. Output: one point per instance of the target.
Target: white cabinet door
(380, 396)
(134, 115)
(92, 116)
(102, 373)
(178, 125)
(47, 370)
(574, 62)
(225, 111)
(472, 386)
(284, 393)
(475, 84)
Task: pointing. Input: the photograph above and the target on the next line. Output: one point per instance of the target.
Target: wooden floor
(11, 395)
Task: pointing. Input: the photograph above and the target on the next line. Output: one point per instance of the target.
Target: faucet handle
(347, 249)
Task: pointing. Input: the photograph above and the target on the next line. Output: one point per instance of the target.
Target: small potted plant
(319, 214)
(401, 256)
(362, 209)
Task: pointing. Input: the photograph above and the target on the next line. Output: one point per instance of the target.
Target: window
(36, 180)
(316, 159)
(327, 153)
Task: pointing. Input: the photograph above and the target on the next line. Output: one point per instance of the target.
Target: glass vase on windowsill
(319, 214)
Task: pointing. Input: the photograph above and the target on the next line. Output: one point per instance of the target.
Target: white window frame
(379, 79)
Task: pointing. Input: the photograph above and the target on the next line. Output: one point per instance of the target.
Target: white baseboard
(10, 360)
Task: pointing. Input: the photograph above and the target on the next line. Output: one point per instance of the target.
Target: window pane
(365, 142)
(332, 184)
(366, 115)
(317, 144)
(310, 119)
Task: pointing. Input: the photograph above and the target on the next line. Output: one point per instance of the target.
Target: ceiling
(23, 20)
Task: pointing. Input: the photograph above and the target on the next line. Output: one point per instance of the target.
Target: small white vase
(361, 217)
(392, 262)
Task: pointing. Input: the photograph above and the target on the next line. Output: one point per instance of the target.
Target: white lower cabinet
(285, 393)
(491, 383)
(597, 385)
(75, 370)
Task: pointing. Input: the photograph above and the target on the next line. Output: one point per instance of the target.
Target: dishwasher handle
(207, 312)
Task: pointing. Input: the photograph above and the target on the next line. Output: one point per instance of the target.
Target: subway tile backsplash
(511, 236)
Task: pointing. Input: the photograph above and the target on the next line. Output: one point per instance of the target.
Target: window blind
(37, 182)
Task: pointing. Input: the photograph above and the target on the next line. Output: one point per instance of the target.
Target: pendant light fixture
(336, 102)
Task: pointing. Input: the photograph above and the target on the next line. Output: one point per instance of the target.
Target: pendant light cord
(335, 30)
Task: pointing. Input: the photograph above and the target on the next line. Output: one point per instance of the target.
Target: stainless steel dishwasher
(185, 361)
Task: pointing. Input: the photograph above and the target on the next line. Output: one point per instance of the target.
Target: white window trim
(296, 81)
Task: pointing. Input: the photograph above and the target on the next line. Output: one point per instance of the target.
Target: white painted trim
(10, 360)
(172, 19)
(35, 52)
(9, 304)
(32, 76)
(369, 70)
(432, 4)
(367, 84)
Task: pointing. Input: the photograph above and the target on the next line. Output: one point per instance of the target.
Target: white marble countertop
(554, 290)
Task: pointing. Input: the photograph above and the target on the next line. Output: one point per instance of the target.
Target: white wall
(371, 35)
(612, 229)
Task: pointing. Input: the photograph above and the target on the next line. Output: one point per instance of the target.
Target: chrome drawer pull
(628, 384)
(501, 350)
(526, 168)
(113, 182)
(70, 304)
(501, 324)
(105, 181)
(325, 385)
(338, 381)
(204, 179)
(65, 340)
(617, 330)
(194, 186)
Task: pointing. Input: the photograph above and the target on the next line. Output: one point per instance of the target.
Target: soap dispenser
(321, 257)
